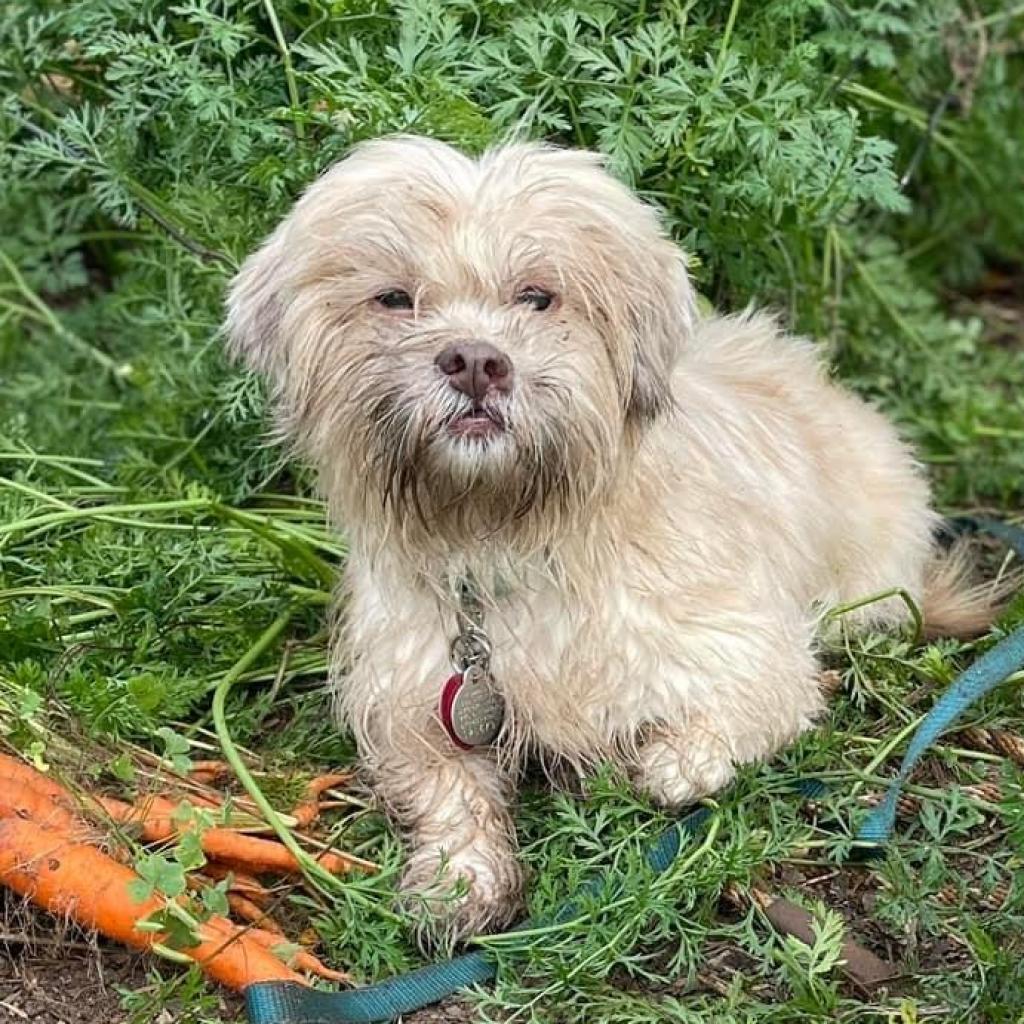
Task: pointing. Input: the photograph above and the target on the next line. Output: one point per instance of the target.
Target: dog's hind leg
(764, 693)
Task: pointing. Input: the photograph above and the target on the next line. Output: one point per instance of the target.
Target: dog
(585, 524)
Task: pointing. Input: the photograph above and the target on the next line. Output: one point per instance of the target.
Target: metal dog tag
(471, 711)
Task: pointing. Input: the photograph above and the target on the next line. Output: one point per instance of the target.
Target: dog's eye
(536, 297)
(395, 299)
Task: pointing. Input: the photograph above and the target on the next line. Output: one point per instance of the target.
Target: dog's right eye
(536, 297)
(395, 299)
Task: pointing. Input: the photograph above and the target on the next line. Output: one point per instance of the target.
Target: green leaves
(844, 161)
(176, 749)
(809, 969)
(159, 874)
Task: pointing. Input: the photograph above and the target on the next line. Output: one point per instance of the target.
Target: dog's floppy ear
(254, 306)
(663, 312)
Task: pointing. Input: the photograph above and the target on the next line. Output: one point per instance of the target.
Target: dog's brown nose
(475, 367)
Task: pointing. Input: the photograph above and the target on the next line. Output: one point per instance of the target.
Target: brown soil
(451, 1012)
(50, 986)
(84, 987)
(50, 975)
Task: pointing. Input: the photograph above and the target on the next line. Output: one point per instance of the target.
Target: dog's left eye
(536, 297)
(395, 299)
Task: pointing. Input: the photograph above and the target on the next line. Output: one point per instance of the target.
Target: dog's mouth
(477, 424)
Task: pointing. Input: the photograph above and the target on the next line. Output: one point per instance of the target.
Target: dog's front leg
(462, 875)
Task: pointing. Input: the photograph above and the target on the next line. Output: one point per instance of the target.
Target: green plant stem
(915, 611)
(723, 46)
(289, 70)
(163, 217)
(65, 464)
(880, 297)
(46, 315)
(920, 121)
(318, 876)
(59, 594)
(38, 523)
(265, 531)
(998, 16)
(885, 750)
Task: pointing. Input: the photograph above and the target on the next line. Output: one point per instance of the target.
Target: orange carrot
(208, 771)
(44, 856)
(76, 879)
(155, 816)
(14, 772)
(241, 906)
(19, 801)
(244, 908)
(240, 882)
(300, 958)
(306, 812)
(27, 793)
(303, 960)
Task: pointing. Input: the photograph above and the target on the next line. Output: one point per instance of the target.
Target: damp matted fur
(656, 516)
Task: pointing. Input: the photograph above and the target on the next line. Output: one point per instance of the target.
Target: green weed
(853, 163)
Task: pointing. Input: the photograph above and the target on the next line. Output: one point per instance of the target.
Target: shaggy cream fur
(656, 516)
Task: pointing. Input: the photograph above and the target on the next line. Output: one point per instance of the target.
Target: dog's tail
(955, 602)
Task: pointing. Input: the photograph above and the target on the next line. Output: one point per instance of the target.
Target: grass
(847, 163)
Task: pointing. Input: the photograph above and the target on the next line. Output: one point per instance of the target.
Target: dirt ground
(51, 977)
(64, 984)
(70, 990)
(51, 972)
(83, 988)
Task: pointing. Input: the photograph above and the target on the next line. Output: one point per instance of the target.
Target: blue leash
(285, 1002)
(984, 675)
(277, 1002)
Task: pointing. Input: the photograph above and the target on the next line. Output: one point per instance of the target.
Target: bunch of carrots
(53, 854)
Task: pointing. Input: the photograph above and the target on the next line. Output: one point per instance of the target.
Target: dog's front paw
(676, 768)
(475, 889)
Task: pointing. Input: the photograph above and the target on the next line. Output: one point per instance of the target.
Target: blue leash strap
(991, 669)
(275, 1002)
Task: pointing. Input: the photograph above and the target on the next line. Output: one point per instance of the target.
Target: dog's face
(453, 334)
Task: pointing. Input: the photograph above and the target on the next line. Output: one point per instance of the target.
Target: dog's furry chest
(581, 676)
(584, 659)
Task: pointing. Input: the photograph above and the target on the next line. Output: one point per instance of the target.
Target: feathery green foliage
(852, 163)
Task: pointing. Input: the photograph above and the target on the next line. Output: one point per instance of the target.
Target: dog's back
(847, 488)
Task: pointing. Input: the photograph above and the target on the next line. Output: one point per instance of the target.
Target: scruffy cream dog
(621, 520)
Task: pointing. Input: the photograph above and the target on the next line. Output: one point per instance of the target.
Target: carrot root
(76, 879)
(247, 910)
(300, 958)
(240, 882)
(155, 816)
(306, 812)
